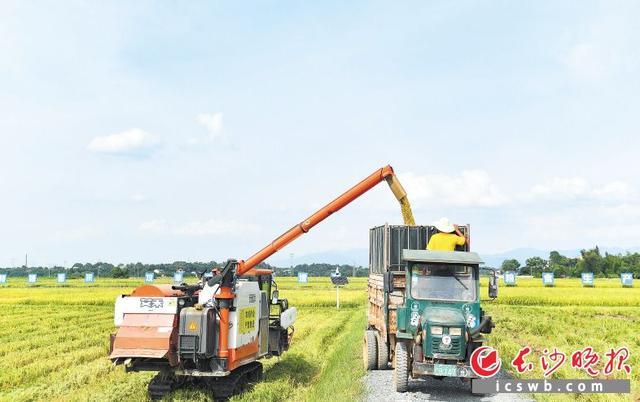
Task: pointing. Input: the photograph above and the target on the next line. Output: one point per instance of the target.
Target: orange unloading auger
(225, 296)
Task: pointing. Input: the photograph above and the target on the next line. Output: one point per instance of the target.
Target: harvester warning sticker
(247, 322)
(192, 326)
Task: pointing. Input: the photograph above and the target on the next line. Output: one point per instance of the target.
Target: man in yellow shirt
(447, 238)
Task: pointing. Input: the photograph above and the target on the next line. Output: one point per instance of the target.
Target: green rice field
(54, 338)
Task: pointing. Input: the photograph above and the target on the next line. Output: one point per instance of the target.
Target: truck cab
(425, 317)
(441, 319)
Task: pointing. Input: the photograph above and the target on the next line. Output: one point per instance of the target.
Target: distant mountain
(357, 256)
(360, 256)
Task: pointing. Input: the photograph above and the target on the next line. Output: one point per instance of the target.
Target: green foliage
(510, 265)
(590, 260)
(325, 270)
(118, 272)
(103, 269)
(535, 265)
(539, 327)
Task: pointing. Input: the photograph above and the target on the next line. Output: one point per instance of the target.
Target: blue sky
(153, 131)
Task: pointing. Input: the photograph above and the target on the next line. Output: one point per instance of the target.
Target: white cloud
(77, 233)
(578, 226)
(470, 188)
(156, 226)
(213, 124)
(586, 61)
(558, 188)
(561, 188)
(198, 228)
(627, 212)
(615, 190)
(139, 197)
(604, 48)
(215, 227)
(132, 141)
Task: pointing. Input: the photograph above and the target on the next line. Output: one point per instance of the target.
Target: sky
(163, 131)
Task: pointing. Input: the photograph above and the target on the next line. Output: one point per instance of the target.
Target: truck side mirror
(493, 285)
(388, 282)
(274, 297)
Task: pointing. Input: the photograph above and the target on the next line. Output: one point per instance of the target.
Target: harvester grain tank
(217, 329)
(424, 313)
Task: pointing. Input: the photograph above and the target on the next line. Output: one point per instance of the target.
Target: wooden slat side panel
(376, 314)
(376, 303)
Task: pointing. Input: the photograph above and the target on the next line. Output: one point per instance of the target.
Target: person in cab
(447, 237)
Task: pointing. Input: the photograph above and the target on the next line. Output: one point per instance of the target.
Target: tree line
(320, 269)
(109, 270)
(590, 260)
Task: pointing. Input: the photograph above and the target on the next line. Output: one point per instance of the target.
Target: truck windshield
(443, 282)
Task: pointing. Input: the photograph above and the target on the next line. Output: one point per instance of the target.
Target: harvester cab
(425, 315)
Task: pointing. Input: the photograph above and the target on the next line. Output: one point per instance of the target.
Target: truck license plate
(447, 370)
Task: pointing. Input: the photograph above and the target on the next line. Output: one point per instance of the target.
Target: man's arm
(463, 238)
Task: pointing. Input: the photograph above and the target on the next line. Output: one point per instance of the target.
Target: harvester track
(162, 384)
(223, 388)
(220, 388)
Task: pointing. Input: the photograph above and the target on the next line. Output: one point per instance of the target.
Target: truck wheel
(383, 352)
(401, 372)
(369, 350)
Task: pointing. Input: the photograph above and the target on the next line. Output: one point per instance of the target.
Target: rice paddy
(54, 339)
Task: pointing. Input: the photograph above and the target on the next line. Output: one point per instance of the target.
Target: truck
(215, 330)
(424, 310)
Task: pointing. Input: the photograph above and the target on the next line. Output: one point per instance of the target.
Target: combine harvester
(217, 329)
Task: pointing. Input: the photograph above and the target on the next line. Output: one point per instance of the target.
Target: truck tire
(401, 372)
(369, 350)
(383, 352)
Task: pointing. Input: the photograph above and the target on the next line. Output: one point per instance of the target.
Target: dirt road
(380, 388)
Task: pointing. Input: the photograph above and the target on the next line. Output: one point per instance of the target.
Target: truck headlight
(436, 330)
(455, 331)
